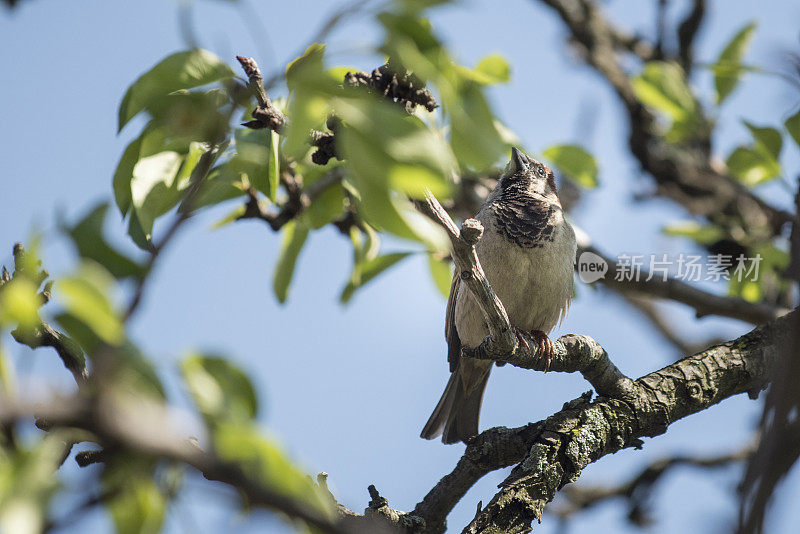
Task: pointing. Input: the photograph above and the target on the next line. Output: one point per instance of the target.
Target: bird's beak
(519, 161)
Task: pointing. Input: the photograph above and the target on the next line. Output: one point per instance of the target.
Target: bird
(528, 255)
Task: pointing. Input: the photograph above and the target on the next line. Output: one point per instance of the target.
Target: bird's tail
(456, 415)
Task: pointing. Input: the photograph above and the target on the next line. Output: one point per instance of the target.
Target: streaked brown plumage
(527, 252)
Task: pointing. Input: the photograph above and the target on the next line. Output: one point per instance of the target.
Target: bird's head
(525, 174)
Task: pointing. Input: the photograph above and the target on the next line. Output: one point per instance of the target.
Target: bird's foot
(546, 349)
(521, 337)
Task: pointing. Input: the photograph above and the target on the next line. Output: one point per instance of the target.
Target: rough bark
(552, 453)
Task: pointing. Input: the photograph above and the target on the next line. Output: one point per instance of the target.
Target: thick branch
(572, 352)
(576, 437)
(553, 452)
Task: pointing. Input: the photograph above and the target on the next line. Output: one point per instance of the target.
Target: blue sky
(348, 389)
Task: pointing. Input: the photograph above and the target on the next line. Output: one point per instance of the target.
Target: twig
(130, 430)
(44, 335)
(703, 302)
(266, 115)
(501, 340)
(299, 199)
(793, 270)
(333, 21)
(650, 310)
(199, 174)
(638, 488)
(687, 32)
(68, 350)
(683, 173)
(661, 28)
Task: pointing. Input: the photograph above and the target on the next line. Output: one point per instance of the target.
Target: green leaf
(412, 180)
(262, 459)
(136, 504)
(752, 166)
(326, 207)
(388, 153)
(153, 140)
(192, 115)
(123, 175)
(294, 237)
(183, 70)
(792, 125)
(703, 234)
(87, 235)
(220, 390)
(441, 273)
(490, 70)
(575, 162)
(233, 216)
(474, 137)
(27, 484)
(273, 177)
(154, 189)
(728, 69)
(369, 270)
(196, 151)
(252, 155)
(136, 233)
(495, 67)
(767, 139)
(20, 303)
(139, 508)
(136, 375)
(662, 86)
(8, 379)
(224, 182)
(311, 88)
(85, 297)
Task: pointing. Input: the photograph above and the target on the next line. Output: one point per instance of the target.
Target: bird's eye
(540, 170)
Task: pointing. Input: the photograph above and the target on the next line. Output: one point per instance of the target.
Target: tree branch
(45, 335)
(266, 115)
(686, 174)
(687, 32)
(144, 428)
(638, 488)
(703, 302)
(501, 338)
(68, 350)
(555, 452)
(299, 199)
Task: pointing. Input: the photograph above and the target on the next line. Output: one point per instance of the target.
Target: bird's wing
(450, 332)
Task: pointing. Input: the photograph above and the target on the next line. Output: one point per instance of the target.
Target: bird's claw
(521, 338)
(546, 349)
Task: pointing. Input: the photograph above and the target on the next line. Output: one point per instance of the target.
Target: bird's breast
(533, 282)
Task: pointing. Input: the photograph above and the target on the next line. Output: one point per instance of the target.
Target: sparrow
(528, 254)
